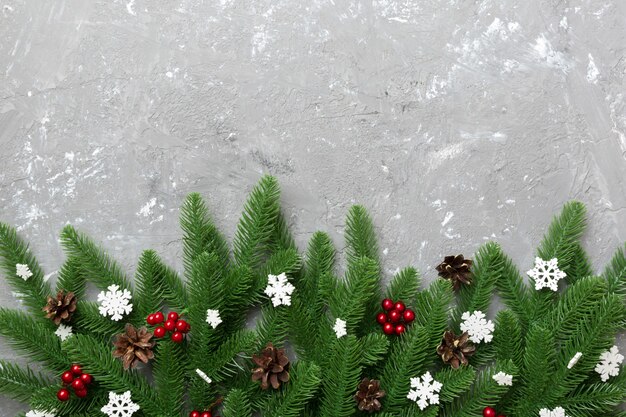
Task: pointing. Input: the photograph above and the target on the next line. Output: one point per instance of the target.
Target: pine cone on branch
(272, 367)
(455, 350)
(368, 395)
(61, 307)
(456, 269)
(133, 345)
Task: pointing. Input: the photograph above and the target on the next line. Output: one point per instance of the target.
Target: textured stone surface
(454, 122)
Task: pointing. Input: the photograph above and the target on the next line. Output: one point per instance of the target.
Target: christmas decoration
(393, 322)
(279, 289)
(546, 274)
(424, 391)
(36, 413)
(204, 376)
(456, 269)
(133, 345)
(63, 332)
(609, 363)
(115, 303)
(557, 412)
(478, 328)
(23, 271)
(75, 379)
(272, 367)
(213, 318)
(120, 405)
(454, 349)
(574, 360)
(61, 307)
(489, 412)
(368, 395)
(340, 328)
(174, 323)
(503, 378)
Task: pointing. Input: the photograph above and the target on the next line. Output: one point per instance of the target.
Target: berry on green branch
(489, 412)
(177, 337)
(63, 394)
(170, 325)
(67, 377)
(76, 369)
(172, 315)
(387, 304)
(159, 332)
(158, 317)
(381, 318)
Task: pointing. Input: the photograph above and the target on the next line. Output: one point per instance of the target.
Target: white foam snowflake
(120, 405)
(478, 328)
(213, 318)
(574, 360)
(340, 328)
(36, 413)
(557, 412)
(609, 363)
(546, 274)
(23, 271)
(63, 332)
(424, 391)
(115, 303)
(503, 379)
(204, 376)
(279, 289)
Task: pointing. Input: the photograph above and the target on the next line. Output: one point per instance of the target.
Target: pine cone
(455, 350)
(61, 308)
(456, 269)
(133, 345)
(368, 394)
(273, 367)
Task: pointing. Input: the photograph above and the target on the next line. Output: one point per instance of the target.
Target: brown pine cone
(456, 269)
(133, 345)
(273, 367)
(61, 307)
(455, 350)
(368, 395)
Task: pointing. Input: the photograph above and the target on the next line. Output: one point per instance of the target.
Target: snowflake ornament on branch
(213, 318)
(340, 328)
(546, 274)
(478, 328)
(503, 379)
(120, 405)
(609, 363)
(36, 413)
(63, 332)
(115, 303)
(424, 391)
(279, 289)
(557, 412)
(23, 271)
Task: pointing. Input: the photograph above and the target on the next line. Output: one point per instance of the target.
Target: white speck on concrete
(447, 218)
(130, 7)
(146, 209)
(592, 71)
(545, 52)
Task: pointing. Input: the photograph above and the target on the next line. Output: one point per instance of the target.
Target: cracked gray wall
(454, 122)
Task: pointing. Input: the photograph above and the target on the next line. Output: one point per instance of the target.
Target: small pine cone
(272, 367)
(133, 345)
(454, 349)
(456, 269)
(368, 395)
(61, 307)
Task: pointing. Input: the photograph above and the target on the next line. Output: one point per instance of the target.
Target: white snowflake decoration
(574, 360)
(213, 318)
(279, 289)
(36, 413)
(63, 332)
(478, 328)
(503, 379)
(115, 303)
(557, 412)
(424, 391)
(340, 328)
(609, 363)
(546, 274)
(204, 376)
(23, 271)
(120, 405)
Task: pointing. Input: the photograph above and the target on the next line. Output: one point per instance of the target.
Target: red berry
(86, 378)
(170, 325)
(172, 315)
(381, 318)
(400, 329)
(67, 377)
(177, 337)
(63, 394)
(81, 393)
(78, 385)
(159, 332)
(76, 369)
(408, 315)
(194, 413)
(150, 319)
(206, 414)
(387, 304)
(394, 316)
(181, 326)
(489, 412)
(400, 306)
(388, 328)
(158, 317)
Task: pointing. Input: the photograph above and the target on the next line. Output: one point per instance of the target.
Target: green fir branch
(237, 404)
(169, 376)
(615, 273)
(148, 294)
(20, 383)
(404, 286)
(304, 381)
(360, 236)
(72, 278)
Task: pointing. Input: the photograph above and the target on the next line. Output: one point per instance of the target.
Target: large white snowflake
(213, 318)
(477, 326)
(23, 271)
(279, 289)
(115, 303)
(503, 379)
(340, 328)
(424, 391)
(63, 332)
(557, 412)
(609, 363)
(546, 274)
(120, 405)
(36, 413)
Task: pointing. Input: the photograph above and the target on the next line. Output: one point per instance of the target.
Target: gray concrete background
(454, 121)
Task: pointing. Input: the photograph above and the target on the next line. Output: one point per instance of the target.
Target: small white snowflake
(36, 413)
(213, 318)
(546, 274)
(574, 360)
(609, 363)
(204, 376)
(340, 328)
(503, 379)
(279, 289)
(120, 405)
(63, 332)
(478, 328)
(424, 391)
(557, 412)
(114, 302)
(23, 271)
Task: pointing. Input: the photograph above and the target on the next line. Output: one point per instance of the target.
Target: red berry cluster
(491, 412)
(195, 413)
(76, 379)
(395, 318)
(173, 324)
